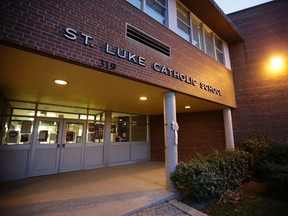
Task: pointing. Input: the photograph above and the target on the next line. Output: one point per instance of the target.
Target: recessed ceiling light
(61, 82)
(187, 107)
(143, 98)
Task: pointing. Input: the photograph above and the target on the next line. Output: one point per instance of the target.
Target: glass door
(46, 147)
(58, 146)
(73, 143)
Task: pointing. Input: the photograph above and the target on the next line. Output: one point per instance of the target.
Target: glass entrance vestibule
(42, 139)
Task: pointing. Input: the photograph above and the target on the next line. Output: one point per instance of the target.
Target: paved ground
(105, 191)
(136, 190)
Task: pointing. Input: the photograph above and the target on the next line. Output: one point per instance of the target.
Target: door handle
(58, 145)
(63, 145)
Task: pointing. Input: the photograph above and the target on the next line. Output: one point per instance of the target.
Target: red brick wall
(40, 25)
(200, 133)
(262, 97)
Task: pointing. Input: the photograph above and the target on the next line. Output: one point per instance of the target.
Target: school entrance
(43, 139)
(58, 146)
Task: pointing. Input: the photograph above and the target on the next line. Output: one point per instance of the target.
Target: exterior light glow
(276, 64)
(143, 98)
(60, 82)
(187, 107)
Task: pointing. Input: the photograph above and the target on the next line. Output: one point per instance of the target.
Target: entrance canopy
(27, 76)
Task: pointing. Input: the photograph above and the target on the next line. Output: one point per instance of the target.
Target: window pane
(196, 29)
(74, 133)
(18, 131)
(220, 57)
(155, 10)
(136, 3)
(120, 127)
(22, 112)
(183, 14)
(209, 43)
(84, 117)
(57, 115)
(219, 50)
(100, 116)
(218, 44)
(49, 108)
(120, 132)
(23, 105)
(48, 132)
(183, 22)
(95, 132)
(183, 30)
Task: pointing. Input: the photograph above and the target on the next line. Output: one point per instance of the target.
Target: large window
(126, 127)
(154, 8)
(20, 118)
(191, 29)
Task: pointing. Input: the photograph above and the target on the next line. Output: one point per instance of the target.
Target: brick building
(262, 101)
(111, 53)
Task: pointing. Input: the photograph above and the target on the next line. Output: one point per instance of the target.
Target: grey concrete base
(186, 209)
(154, 203)
(104, 191)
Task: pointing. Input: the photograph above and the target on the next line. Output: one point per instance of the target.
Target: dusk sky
(229, 6)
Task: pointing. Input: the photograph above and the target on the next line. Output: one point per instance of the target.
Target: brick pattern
(199, 133)
(40, 25)
(262, 97)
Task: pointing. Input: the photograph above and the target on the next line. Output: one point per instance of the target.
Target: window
(191, 29)
(183, 22)
(154, 8)
(196, 34)
(219, 50)
(126, 127)
(48, 132)
(18, 130)
(209, 47)
(120, 127)
(95, 129)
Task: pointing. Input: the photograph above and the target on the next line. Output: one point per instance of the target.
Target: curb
(186, 209)
(154, 203)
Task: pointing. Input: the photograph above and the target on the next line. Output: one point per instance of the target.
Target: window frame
(202, 38)
(217, 50)
(115, 136)
(144, 9)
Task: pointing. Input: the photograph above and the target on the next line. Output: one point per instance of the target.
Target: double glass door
(58, 146)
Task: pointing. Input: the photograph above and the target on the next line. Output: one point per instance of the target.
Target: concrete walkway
(110, 191)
